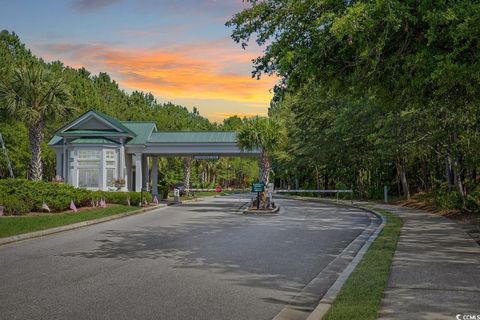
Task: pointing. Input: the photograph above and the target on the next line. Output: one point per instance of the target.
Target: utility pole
(9, 165)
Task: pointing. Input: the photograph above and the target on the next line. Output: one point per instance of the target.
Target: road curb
(259, 213)
(328, 298)
(41, 233)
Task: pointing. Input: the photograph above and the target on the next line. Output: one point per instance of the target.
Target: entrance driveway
(194, 261)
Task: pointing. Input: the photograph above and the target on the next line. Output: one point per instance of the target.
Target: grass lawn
(10, 226)
(361, 295)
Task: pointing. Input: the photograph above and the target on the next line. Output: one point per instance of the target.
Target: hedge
(20, 196)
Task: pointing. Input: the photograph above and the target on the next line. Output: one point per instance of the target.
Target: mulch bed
(470, 222)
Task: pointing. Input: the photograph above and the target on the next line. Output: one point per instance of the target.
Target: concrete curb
(41, 233)
(327, 300)
(258, 212)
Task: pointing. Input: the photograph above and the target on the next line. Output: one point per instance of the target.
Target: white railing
(200, 190)
(311, 190)
(337, 192)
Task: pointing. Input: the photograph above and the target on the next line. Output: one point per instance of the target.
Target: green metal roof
(194, 137)
(142, 130)
(112, 121)
(93, 132)
(55, 140)
(93, 140)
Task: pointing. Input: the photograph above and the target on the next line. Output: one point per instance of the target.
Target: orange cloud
(238, 114)
(217, 70)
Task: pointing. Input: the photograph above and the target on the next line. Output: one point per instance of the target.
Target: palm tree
(187, 164)
(264, 134)
(34, 95)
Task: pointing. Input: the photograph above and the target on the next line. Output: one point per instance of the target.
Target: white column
(121, 166)
(155, 175)
(145, 177)
(147, 174)
(73, 163)
(128, 172)
(103, 174)
(65, 161)
(138, 172)
(58, 167)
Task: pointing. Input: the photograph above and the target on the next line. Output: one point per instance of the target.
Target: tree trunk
(317, 177)
(426, 175)
(265, 169)
(458, 180)
(187, 164)
(265, 177)
(402, 174)
(449, 171)
(35, 135)
(361, 186)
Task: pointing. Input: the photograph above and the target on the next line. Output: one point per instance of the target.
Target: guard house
(98, 152)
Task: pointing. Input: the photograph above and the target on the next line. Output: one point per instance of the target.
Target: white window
(110, 167)
(110, 177)
(110, 155)
(88, 177)
(89, 155)
(88, 162)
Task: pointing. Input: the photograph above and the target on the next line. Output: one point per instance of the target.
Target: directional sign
(258, 187)
(205, 157)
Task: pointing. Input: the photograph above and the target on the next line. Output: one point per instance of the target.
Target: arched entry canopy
(99, 152)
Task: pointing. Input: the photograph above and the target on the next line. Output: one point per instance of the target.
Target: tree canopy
(33, 95)
(377, 92)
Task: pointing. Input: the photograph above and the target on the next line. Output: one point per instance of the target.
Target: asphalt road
(194, 261)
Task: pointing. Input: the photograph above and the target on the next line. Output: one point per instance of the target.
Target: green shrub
(163, 192)
(14, 205)
(446, 199)
(19, 196)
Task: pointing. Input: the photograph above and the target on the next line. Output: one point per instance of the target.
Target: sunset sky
(180, 51)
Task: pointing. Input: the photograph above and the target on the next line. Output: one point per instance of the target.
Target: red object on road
(218, 189)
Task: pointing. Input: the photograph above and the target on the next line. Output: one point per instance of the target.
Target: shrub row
(19, 196)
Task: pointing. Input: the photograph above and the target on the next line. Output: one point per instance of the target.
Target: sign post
(258, 187)
(270, 194)
(176, 195)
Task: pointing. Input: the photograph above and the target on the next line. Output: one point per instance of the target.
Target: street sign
(218, 189)
(258, 187)
(205, 157)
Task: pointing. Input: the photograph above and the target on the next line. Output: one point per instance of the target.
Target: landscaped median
(361, 294)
